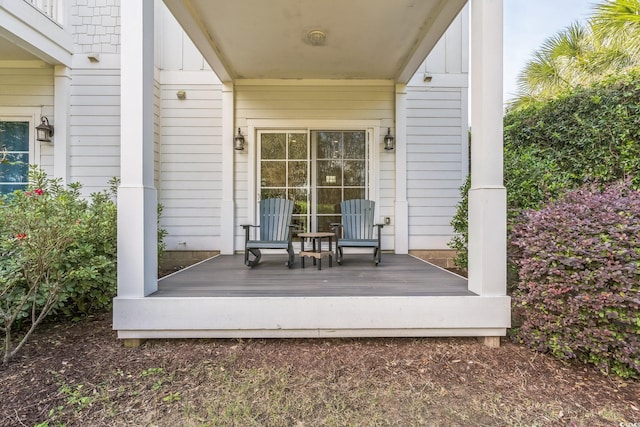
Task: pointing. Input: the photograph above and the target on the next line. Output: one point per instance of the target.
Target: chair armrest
(292, 229)
(337, 229)
(247, 227)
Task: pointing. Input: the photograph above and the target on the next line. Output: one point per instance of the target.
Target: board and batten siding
(28, 91)
(318, 102)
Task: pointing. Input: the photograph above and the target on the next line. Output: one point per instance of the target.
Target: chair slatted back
(275, 218)
(357, 219)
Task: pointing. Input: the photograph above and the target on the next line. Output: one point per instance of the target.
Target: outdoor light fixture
(238, 141)
(389, 141)
(44, 131)
(316, 38)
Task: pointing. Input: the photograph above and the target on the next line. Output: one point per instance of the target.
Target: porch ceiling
(365, 39)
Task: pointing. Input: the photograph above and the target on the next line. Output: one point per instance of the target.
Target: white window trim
(371, 127)
(25, 114)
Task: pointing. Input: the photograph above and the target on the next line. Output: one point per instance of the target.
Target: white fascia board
(445, 12)
(34, 32)
(188, 19)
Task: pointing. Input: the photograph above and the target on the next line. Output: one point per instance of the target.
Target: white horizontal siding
(94, 132)
(436, 147)
(190, 187)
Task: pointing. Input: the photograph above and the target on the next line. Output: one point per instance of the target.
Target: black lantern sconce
(389, 141)
(44, 131)
(238, 141)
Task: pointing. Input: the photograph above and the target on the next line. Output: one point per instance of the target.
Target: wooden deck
(397, 275)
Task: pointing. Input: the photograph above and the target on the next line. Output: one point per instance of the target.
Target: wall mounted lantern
(389, 141)
(238, 141)
(44, 131)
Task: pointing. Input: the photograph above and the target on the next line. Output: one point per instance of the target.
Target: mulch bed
(458, 370)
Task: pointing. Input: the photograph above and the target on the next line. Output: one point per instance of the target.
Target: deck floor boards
(227, 276)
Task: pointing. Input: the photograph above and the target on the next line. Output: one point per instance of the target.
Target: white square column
(227, 225)
(137, 198)
(487, 197)
(401, 205)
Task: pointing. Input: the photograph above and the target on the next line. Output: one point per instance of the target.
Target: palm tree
(617, 23)
(583, 54)
(561, 63)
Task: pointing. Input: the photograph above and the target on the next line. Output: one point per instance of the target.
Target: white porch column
(62, 95)
(487, 197)
(227, 226)
(137, 198)
(402, 206)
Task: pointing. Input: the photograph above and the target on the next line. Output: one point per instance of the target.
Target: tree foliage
(550, 147)
(581, 54)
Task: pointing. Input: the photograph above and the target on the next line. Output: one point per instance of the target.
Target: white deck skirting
(295, 317)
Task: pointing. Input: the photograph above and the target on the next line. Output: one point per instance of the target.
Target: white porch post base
(228, 212)
(402, 227)
(488, 241)
(137, 241)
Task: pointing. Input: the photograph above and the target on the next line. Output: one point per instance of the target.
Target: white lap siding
(190, 186)
(94, 128)
(436, 150)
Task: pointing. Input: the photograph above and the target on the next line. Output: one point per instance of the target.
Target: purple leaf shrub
(578, 291)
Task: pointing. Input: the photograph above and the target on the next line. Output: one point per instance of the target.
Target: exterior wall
(437, 138)
(303, 105)
(94, 133)
(191, 165)
(94, 99)
(189, 170)
(188, 133)
(27, 91)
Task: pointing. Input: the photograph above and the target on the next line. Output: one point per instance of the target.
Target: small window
(14, 149)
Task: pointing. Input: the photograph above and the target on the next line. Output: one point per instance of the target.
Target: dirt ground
(81, 374)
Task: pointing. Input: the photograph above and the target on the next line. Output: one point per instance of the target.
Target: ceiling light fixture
(316, 38)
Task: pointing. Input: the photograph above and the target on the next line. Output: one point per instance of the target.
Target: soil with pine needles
(80, 374)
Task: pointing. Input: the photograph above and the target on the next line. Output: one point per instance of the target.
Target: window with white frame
(14, 155)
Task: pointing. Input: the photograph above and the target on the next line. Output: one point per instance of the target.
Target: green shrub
(589, 135)
(58, 254)
(92, 280)
(39, 234)
(460, 224)
(578, 294)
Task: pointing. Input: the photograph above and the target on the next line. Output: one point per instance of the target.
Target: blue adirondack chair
(358, 229)
(275, 232)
